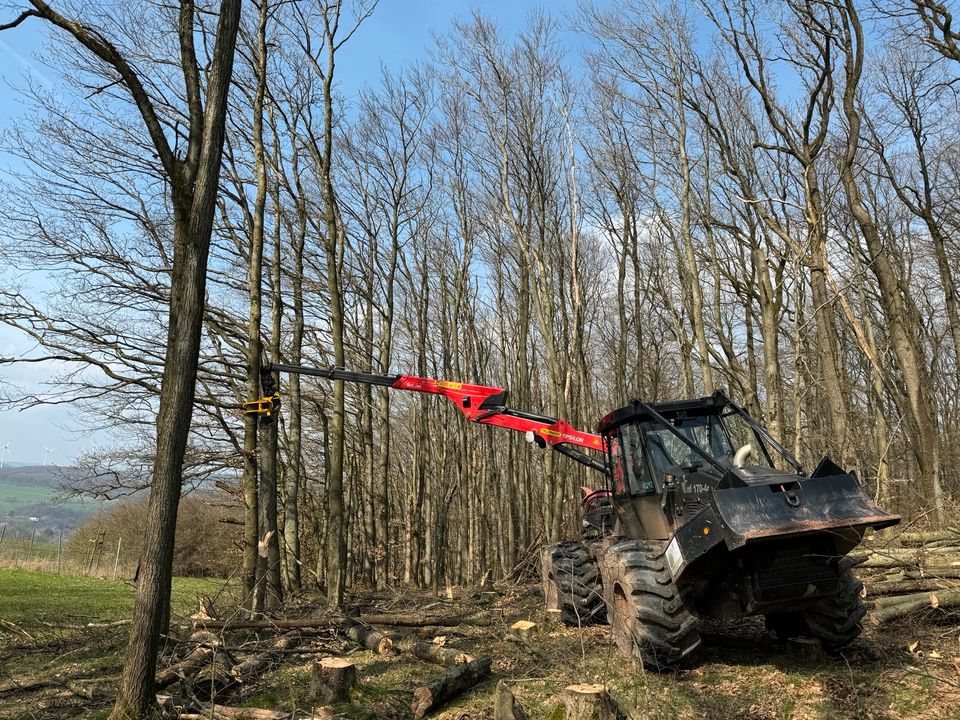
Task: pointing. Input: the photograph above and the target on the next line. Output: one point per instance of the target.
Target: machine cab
(663, 459)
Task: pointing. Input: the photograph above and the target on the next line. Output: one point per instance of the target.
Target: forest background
(760, 197)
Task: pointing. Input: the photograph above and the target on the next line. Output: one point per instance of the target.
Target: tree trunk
(919, 406)
(194, 191)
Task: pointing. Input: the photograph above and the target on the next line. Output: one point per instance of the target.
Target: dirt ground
(910, 670)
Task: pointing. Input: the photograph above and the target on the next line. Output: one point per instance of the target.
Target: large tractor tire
(649, 618)
(571, 582)
(834, 621)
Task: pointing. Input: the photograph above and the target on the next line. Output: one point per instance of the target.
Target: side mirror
(691, 463)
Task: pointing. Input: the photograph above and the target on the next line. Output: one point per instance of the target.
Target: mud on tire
(649, 618)
(835, 621)
(572, 579)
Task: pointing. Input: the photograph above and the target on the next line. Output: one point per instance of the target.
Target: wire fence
(33, 549)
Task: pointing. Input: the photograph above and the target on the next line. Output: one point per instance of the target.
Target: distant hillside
(31, 498)
(48, 476)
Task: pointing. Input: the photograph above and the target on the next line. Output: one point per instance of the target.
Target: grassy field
(14, 497)
(45, 633)
(33, 600)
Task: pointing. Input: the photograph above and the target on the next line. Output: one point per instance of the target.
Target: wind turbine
(3, 457)
(46, 454)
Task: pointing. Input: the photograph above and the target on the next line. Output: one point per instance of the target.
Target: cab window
(632, 465)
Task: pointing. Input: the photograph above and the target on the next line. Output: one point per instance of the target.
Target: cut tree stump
(551, 593)
(442, 689)
(524, 628)
(506, 707)
(370, 639)
(806, 648)
(431, 652)
(587, 701)
(553, 619)
(332, 680)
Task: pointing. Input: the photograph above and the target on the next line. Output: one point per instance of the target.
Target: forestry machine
(702, 514)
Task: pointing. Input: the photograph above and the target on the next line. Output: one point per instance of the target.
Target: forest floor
(53, 664)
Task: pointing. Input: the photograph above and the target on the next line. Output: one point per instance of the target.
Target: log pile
(212, 669)
(917, 572)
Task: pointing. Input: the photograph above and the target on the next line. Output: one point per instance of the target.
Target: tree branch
(23, 16)
(108, 53)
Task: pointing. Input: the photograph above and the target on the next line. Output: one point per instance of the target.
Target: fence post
(116, 563)
(32, 538)
(59, 551)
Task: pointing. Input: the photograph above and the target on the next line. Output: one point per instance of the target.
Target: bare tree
(193, 183)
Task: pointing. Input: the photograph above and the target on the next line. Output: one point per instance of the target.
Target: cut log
(368, 637)
(911, 603)
(930, 536)
(891, 600)
(506, 707)
(206, 711)
(407, 620)
(431, 652)
(191, 663)
(332, 680)
(214, 680)
(444, 688)
(915, 557)
(589, 702)
(239, 713)
(278, 624)
(887, 587)
(253, 666)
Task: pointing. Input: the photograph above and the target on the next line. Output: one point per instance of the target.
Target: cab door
(636, 493)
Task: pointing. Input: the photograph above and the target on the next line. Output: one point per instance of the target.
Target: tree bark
(332, 680)
(919, 406)
(444, 688)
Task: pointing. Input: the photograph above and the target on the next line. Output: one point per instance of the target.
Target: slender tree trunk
(921, 410)
(194, 192)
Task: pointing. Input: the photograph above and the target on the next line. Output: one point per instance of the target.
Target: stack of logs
(209, 670)
(915, 572)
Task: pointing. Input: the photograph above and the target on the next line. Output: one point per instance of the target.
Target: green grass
(37, 599)
(13, 497)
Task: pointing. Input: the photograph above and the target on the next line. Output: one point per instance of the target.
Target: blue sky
(399, 32)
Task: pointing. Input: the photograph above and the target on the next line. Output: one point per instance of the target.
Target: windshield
(716, 439)
(720, 436)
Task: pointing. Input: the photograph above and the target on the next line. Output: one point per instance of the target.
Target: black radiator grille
(793, 566)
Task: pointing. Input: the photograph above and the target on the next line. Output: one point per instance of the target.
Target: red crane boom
(482, 404)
